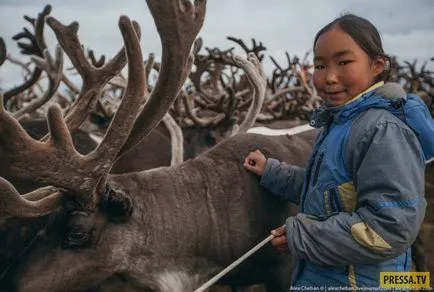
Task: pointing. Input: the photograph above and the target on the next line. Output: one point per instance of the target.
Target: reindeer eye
(79, 229)
(76, 239)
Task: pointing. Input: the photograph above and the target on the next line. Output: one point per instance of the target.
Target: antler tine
(93, 78)
(10, 127)
(258, 80)
(3, 51)
(276, 64)
(302, 75)
(178, 23)
(54, 70)
(56, 162)
(306, 55)
(123, 121)
(95, 63)
(39, 27)
(115, 65)
(149, 65)
(197, 46)
(176, 139)
(68, 39)
(240, 42)
(37, 203)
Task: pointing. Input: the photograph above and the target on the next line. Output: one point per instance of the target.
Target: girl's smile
(335, 95)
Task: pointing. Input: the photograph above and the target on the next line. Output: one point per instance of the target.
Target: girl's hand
(255, 162)
(279, 241)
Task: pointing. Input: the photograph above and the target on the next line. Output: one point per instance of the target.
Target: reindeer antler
(229, 102)
(258, 81)
(34, 204)
(94, 79)
(190, 110)
(54, 70)
(256, 48)
(56, 162)
(36, 47)
(178, 29)
(281, 75)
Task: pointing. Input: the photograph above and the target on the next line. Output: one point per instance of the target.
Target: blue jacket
(362, 195)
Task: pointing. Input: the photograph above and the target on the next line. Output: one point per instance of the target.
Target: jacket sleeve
(387, 166)
(283, 180)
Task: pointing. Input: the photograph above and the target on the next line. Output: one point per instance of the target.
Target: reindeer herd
(137, 182)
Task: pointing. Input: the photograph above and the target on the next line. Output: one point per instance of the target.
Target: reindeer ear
(117, 205)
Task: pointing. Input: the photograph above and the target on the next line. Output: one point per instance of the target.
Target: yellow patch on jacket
(366, 236)
(348, 194)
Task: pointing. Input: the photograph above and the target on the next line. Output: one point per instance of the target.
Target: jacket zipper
(317, 167)
(308, 174)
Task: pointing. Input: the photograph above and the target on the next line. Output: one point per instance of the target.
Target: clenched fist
(255, 162)
(280, 241)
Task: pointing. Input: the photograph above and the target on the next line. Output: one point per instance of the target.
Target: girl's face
(342, 68)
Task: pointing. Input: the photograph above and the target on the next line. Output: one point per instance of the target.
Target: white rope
(280, 132)
(217, 277)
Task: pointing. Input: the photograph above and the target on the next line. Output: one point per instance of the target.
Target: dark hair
(365, 34)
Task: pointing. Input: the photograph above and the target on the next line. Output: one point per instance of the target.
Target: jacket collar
(373, 87)
(325, 114)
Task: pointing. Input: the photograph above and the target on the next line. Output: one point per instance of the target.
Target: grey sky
(407, 27)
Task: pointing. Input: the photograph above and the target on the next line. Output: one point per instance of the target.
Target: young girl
(362, 195)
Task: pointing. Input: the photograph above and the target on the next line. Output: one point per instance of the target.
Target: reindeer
(183, 222)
